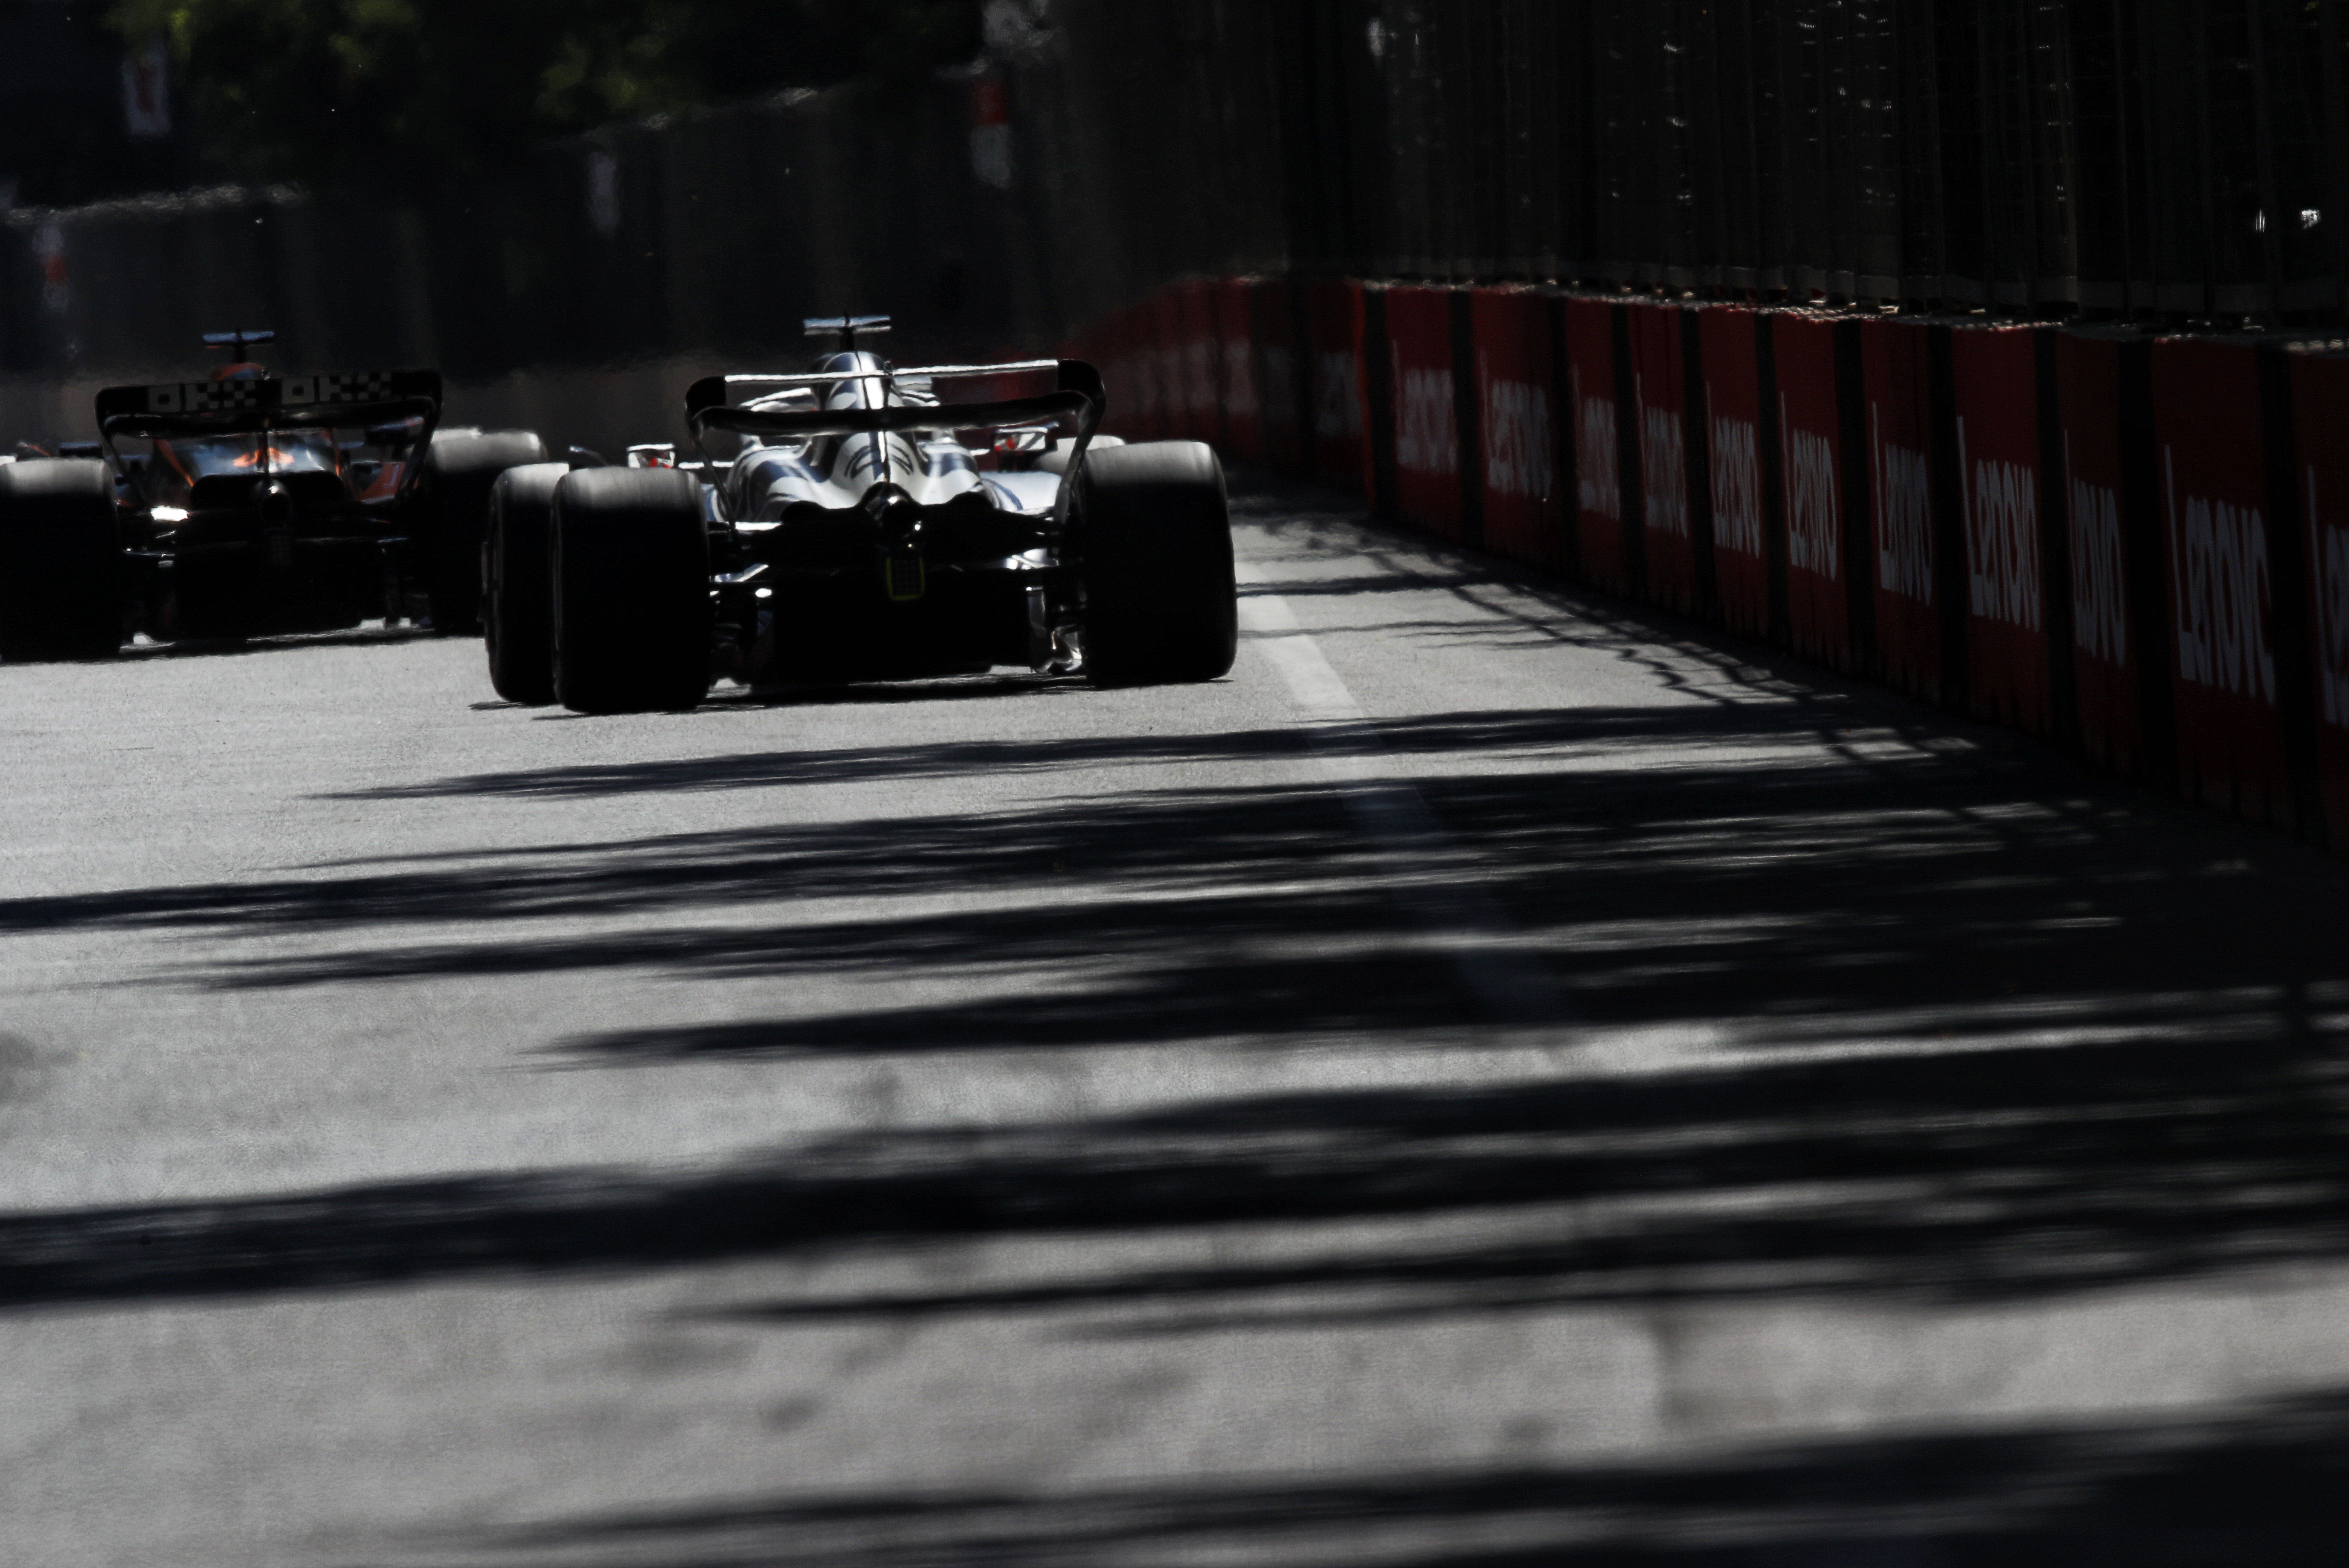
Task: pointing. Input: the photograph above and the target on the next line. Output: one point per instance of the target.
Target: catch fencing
(2181, 160)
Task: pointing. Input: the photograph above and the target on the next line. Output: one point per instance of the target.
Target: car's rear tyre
(61, 580)
(1155, 547)
(632, 612)
(518, 583)
(459, 472)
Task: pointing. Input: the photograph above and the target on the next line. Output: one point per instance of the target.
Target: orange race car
(247, 505)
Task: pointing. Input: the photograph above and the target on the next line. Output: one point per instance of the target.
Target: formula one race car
(246, 505)
(856, 536)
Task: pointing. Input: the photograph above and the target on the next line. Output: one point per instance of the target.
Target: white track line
(1461, 917)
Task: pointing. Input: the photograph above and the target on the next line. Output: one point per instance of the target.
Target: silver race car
(868, 528)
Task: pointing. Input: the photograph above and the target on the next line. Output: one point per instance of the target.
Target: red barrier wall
(1166, 329)
(2320, 396)
(1236, 358)
(1660, 405)
(1198, 356)
(2207, 455)
(1810, 459)
(1900, 424)
(1426, 429)
(1152, 322)
(1732, 422)
(1121, 377)
(1524, 515)
(1341, 447)
(1590, 386)
(2103, 662)
(1995, 369)
(1279, 366)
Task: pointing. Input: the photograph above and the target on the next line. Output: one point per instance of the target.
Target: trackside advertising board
(1810, 466)
(2107, 651)
(1426, 424)
(1199, 351)
(1733, 424)
(1526, 517)
(2320, 397)
(1659, 407)
(1236, 360)
(1115, 355)
(2209, 457)
(1163, 324)
(1274, 310)
(1899, 428)
(1341, 421)
(1598, 474)
(1995, 371)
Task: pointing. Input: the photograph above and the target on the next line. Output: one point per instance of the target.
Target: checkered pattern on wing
(354, 387)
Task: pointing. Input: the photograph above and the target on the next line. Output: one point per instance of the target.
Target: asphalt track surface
(1501, 1078)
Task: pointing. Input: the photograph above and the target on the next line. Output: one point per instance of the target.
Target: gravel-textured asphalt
(1500, 1078)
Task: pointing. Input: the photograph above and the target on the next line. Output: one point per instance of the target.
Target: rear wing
(250, 407)
(1077, 394)
(342, 398)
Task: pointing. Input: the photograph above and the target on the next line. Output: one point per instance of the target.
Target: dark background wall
(2172, 158)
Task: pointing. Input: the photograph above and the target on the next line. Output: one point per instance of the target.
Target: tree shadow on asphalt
(2259, 1486)
(1799, 892)
(1957, 1178)
(1766, 873)
(288, 642)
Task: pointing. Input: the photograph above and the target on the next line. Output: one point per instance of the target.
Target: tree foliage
(367, 91)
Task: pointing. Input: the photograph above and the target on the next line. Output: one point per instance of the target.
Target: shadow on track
(234, 647)
(1799, 891)
(1965, 1177)
(2256, 1487)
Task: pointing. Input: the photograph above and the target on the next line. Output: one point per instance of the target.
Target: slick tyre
(1155, 546)
(61, 579)
(518, 583)
(459, 470)
(631, 573)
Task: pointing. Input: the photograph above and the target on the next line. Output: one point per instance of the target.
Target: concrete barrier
(2215, 531)
(1525, 461)
(1660, 414)
(1427, 455)
(1733, 419)
(1590, 386)
(1909, 598)
(1816, 496)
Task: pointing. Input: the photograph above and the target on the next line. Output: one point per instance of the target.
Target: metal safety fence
(2177, 159)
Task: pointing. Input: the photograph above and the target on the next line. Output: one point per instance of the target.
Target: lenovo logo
(1736, 487)
(1426, 439)
(1904, 516)
(2219, 562)
(1517, 440)
(2330, 545)
(1338, 398)
(1594, 452)
(2099, 618)
(1811, 504)
(2001, 505)
(1663, 466)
